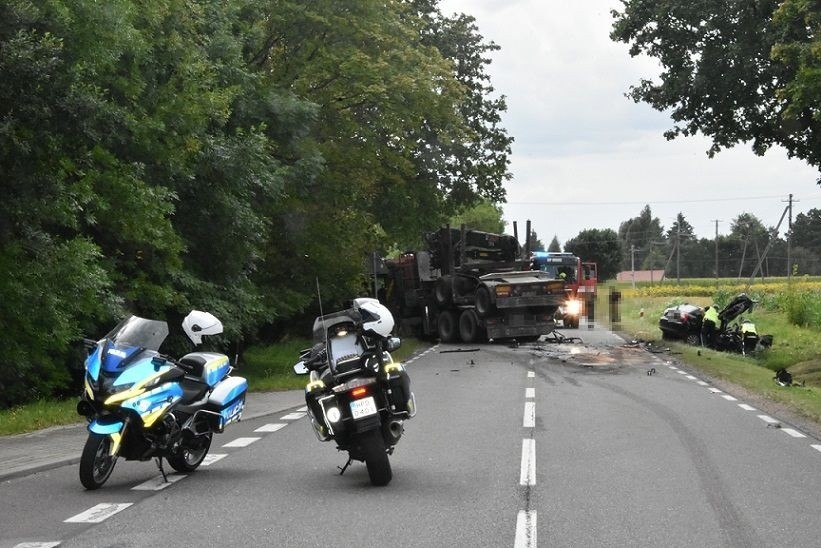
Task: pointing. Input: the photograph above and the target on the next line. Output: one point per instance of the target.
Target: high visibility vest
(712, 315)
(748, 327)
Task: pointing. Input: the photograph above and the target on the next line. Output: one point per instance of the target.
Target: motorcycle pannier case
(400, 397)
(228, 400)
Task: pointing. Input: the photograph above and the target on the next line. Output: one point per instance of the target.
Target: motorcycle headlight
(574, 307)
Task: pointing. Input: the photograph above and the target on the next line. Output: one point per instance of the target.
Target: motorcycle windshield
(139, 332)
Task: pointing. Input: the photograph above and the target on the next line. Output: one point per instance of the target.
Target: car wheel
(693, 339)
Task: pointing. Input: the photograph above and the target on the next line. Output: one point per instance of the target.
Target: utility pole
(789, 237)
(716, 221)
(633, 264)
(678, 255)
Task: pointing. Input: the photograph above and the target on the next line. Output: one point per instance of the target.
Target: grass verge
(794, 348)
(267, 368)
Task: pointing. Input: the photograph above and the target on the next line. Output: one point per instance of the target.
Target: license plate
(363, 408)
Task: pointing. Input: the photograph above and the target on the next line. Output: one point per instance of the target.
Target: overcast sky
(585, 156)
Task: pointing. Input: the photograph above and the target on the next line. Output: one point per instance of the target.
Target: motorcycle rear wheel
(96, 464)
(191, 454)
(376, 458)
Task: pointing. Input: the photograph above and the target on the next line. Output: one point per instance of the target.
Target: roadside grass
(797, 349)
(38, 415)
(267, 368)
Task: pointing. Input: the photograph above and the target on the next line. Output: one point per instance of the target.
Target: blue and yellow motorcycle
(141, 404)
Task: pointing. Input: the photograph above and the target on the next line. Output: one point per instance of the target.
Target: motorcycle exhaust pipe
(395, 430)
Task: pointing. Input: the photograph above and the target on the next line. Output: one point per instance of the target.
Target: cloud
(579, 141)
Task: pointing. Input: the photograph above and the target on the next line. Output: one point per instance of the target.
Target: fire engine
(580, 283)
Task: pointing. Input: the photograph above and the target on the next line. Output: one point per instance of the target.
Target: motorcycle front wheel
(376, 458)
(96, 462)
(191, 454)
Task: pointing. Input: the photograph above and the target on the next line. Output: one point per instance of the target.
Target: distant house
(640, 275)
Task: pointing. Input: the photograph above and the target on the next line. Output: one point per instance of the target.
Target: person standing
(708, 326)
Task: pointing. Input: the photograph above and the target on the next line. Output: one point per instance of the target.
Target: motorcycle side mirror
(300, 369)
(393, 343)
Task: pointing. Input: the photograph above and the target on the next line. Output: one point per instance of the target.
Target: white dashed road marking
(529, 420)
(531, 374)
(292, 416)
(728, 397)
(99, 513)
(768, 419)
(52, 544)
(241, 442)
(271, 427)
(702, 383)
(528, 473)
(794, 433)
(526, 530)
(530, 393)
(680, 372)
(816, 447)
(692, 378)
(303, 408)
(714, 390)
(212, 458)
(158, 483)
(746, 407)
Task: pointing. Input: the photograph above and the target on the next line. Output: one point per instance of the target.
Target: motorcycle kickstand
(343, 468)
(159, 465)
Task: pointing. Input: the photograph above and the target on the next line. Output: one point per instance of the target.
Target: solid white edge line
(529, 420)
(525, 530)
(792, 432)
(99, 513)
(241, 442)
(530, 393)
(527, 477)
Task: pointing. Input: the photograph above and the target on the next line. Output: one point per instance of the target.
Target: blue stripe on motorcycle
(112, 428)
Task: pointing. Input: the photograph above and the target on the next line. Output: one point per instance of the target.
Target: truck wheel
(484, 304)
(443, 292)
(469, 328)
(447, 326)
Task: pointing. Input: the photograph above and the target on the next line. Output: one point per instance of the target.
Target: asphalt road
(555, 445)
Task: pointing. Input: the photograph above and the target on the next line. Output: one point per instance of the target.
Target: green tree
(602, 246)
(734, 71)
(554, 246)
(535, 243)
(806, 230)
(484, 216)
(642, 232)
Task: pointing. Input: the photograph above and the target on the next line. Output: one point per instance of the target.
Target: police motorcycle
(357, 395)
(141, 404)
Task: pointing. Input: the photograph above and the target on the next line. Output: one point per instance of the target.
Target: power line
(646, 202)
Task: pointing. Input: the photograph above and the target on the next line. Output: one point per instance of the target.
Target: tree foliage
(601, 246)
(734, 71)
(164, 156)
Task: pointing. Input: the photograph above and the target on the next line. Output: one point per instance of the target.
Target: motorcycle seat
(193, 389)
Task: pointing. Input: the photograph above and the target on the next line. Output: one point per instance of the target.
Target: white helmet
(199, 323)
(376, 318)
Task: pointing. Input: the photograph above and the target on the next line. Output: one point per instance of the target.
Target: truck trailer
(472, 286)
